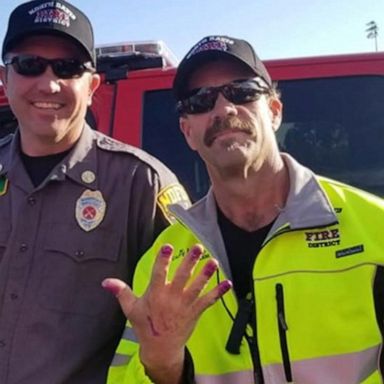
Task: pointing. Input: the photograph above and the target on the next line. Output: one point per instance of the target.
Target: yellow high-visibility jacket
(314, 296)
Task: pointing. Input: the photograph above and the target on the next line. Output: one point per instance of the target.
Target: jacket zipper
(254, 345)
(283, 328)
(246, 314)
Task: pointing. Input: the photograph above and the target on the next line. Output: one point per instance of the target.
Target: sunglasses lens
(202, 100)
(67, 68)
(29, 65)
(243, 92)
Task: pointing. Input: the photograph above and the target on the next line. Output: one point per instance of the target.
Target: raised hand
(164, 317)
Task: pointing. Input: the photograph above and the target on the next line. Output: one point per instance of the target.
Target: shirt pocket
(74, 264)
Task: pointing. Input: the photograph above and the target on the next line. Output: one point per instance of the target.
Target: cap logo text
(213, 43)
(53, 12)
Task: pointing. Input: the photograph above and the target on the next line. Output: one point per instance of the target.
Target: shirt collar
(80, 164)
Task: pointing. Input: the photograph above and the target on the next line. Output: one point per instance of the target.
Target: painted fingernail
(196, 253)
(166, 250)
(224, 287)
(111, 287)
(210, 268)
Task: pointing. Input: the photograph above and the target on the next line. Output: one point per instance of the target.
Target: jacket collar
(307, 206)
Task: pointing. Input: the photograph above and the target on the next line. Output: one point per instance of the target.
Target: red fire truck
(333, 118)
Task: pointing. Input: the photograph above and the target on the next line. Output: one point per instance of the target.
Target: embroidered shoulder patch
(172, 194)
(3, 185)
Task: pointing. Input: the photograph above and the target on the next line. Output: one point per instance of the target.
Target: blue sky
(276, 28)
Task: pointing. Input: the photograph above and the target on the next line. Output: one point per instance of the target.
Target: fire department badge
(90, 210)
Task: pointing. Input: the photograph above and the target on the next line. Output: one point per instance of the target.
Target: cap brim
(11, 43)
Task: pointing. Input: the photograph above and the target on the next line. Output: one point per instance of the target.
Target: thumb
(122, 292)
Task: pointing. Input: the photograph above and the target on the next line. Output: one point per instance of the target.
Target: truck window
(90, 118)
(162, 138)
(335, 126)
(8, 122)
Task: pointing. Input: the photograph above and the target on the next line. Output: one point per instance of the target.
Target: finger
(161, 266)
(122, 292)
(186, 268)
(205, 301)
(198, 284)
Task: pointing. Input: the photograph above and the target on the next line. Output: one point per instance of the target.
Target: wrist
(163, 368)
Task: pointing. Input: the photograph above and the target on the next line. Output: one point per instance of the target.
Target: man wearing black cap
(303, 253)
(75, 205)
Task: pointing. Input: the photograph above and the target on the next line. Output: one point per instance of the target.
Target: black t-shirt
(242, 248)
(39, 167)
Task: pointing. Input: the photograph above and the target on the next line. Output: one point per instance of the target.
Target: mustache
(229, 123)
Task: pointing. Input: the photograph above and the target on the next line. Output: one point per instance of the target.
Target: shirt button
(79, 254)
(23, 247)
(14, 296)
(31, 200)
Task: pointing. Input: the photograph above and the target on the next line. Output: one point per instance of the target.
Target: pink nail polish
(210, 269)
(224, 287)
(110, 287)
(196, 253)
(166, 250)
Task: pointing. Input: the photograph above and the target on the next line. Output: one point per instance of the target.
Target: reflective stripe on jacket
(313, 291)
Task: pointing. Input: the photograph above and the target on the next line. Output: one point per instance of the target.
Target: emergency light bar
(157, 48)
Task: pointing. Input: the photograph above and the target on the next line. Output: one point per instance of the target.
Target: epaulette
(6, 139)
(110, 144)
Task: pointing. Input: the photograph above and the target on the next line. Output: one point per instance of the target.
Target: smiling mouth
(46, 105)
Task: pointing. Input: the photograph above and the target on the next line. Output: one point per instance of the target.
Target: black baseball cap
(50, 18)
(212, 48)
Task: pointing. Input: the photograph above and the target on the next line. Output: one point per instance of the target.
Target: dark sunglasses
(238, 92)
(28, 65)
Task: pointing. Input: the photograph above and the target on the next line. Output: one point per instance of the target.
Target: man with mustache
(304, 253)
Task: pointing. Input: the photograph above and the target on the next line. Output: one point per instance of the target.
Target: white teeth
(46, 105)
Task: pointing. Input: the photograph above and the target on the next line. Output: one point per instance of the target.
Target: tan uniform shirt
(93, 217)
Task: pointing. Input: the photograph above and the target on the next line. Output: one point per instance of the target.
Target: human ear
(276, 108)
(94, 84)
